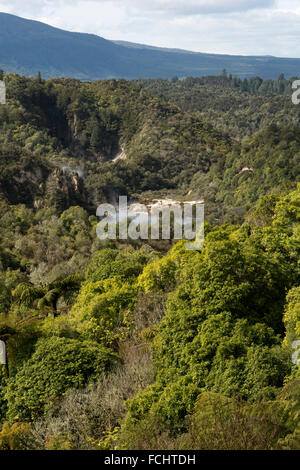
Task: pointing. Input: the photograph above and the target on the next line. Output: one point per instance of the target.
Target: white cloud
(182, 7)
(192, 7)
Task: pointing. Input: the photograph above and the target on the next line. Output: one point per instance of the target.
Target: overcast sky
(248, 27)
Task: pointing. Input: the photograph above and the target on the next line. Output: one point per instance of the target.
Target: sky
(247, 27)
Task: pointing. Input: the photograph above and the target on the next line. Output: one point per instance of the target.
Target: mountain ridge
(29, 46)
(186, 51)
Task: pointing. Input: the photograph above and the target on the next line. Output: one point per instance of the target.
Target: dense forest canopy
(142, 344)
(61, 141)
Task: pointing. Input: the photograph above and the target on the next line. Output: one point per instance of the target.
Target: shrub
(57, 365)
(124, 264)
(87, 416)
(15, 437)
(103, 310)
(221, 423)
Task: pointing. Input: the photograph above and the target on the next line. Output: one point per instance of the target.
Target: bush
(124, 264)
(103, 310)
(57, 365)
(221, 423)
(292, 315)
(15, 437)
(86, 416)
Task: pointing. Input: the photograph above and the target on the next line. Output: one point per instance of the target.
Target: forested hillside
(237, 106)
(60, 141)
(145, 345)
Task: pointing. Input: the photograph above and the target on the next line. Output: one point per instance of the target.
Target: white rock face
(150, 213)
(296, 354)
(121, 156)
(2, 353)
(2, 93)
(142, 212)
(246, 168)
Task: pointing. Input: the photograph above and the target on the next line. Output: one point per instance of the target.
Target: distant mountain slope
(28, 46)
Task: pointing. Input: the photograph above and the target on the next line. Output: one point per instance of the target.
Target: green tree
(57, 365)
(124, 264)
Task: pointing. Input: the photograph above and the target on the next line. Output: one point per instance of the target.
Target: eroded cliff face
(44, 187)
(63, 189)
(22, 178)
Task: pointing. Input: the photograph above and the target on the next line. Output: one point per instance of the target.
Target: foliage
(57, 365)
(201, 340)
(221, 423)
(15, 437)
(220, 332)
(102, 311)
(60, 141)
(124, 265)
(292, 315)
